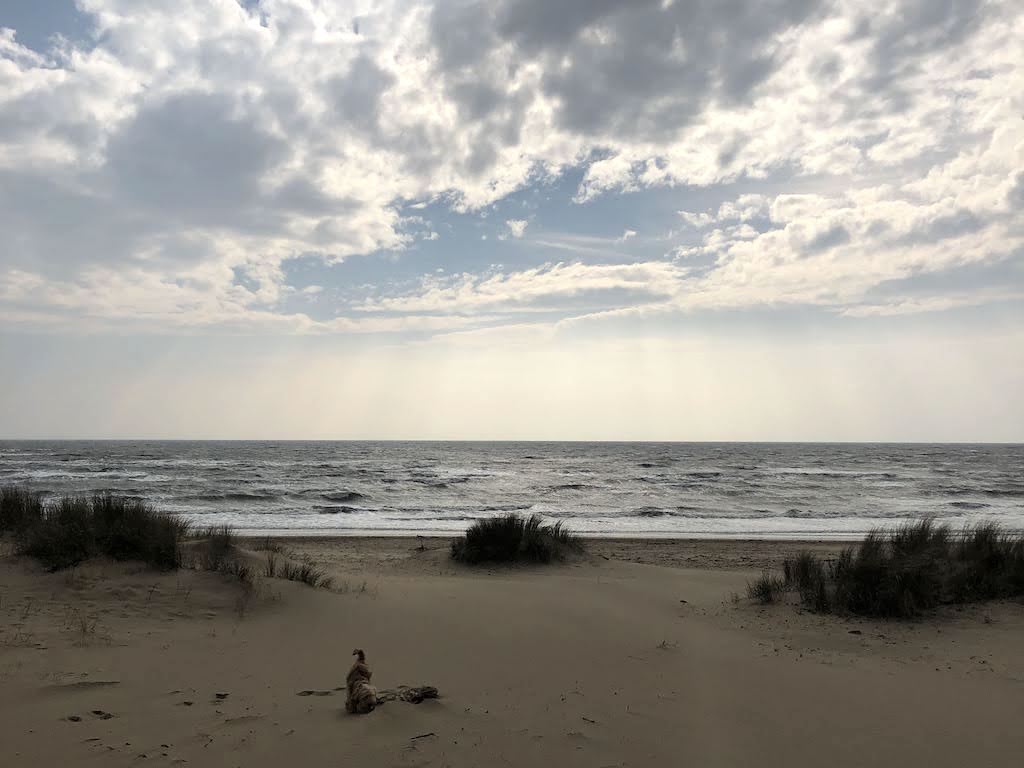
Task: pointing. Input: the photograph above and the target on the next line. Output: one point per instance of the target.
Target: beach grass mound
(19, 508)
(514, 538)
(64, 532)
(766, 589)
(914, 568)
(71, 529)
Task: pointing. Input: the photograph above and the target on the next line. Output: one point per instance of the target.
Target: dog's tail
(359, 652)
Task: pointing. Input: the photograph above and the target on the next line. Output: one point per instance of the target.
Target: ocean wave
(969, 504)
(800, 514)
(1004, 492)
(335, 509)
(342, 496)
(236, 496)
(652, 512)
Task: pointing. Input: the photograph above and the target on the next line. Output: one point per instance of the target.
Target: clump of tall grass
(19, 508)
(766, 589)
(66, 531)
(306, 573)
(217, 547)
(911, 569)
(277, 568)
(511, 538)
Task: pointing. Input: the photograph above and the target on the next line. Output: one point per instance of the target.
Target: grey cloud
(191, 157)
(956, 224)
(356, 95)
(302, 196)
(478, 99)
(962, 222)
(180, 166)
(1016, 194)
(481, 158)
(56, 114)
(50, 225)
(538, 24)
(662, 66)
(462, 32)
(57, 228)
(918, 27)
(830, 238)
(729, 151)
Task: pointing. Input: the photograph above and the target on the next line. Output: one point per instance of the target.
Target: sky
(513, 219)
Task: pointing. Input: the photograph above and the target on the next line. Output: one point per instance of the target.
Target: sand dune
(604, 662)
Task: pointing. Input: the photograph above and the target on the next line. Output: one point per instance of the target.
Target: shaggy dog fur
(362, 697)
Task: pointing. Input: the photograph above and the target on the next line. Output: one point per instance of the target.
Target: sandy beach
(638, 653)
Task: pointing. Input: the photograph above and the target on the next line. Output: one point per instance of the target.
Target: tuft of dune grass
(514, 538)
(766, 589)
(19, 508)
(281, 568)
(66, 531)
(911, 569)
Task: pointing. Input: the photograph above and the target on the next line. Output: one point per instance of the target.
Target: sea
(674, 490)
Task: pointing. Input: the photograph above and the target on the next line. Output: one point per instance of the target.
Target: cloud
(516, 227)
(542, 287)
(165, 166)
(574, 49)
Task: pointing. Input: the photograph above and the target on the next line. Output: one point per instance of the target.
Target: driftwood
(401, 693)
(405, 693)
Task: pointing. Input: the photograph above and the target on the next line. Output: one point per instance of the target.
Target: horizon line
(494, 440)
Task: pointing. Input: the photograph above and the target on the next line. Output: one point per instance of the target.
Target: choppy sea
(768, 490)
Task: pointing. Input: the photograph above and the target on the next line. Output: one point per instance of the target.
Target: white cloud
(696, 219)
(525, 290)
(516, 227)
(191, 150)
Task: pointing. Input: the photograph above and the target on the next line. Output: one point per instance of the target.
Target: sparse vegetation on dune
(267, 544)
(911, 569)
(512, 538)
(217, 547)
(766, 589)
(307, 573)
(66, 531)
(63, 532)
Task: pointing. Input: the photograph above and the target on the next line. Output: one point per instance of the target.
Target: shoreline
(357, 533)
(381, 553)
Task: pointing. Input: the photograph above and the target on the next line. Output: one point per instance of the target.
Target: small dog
(362, 697)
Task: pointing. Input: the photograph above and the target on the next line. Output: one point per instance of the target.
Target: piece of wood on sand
(405, 693)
